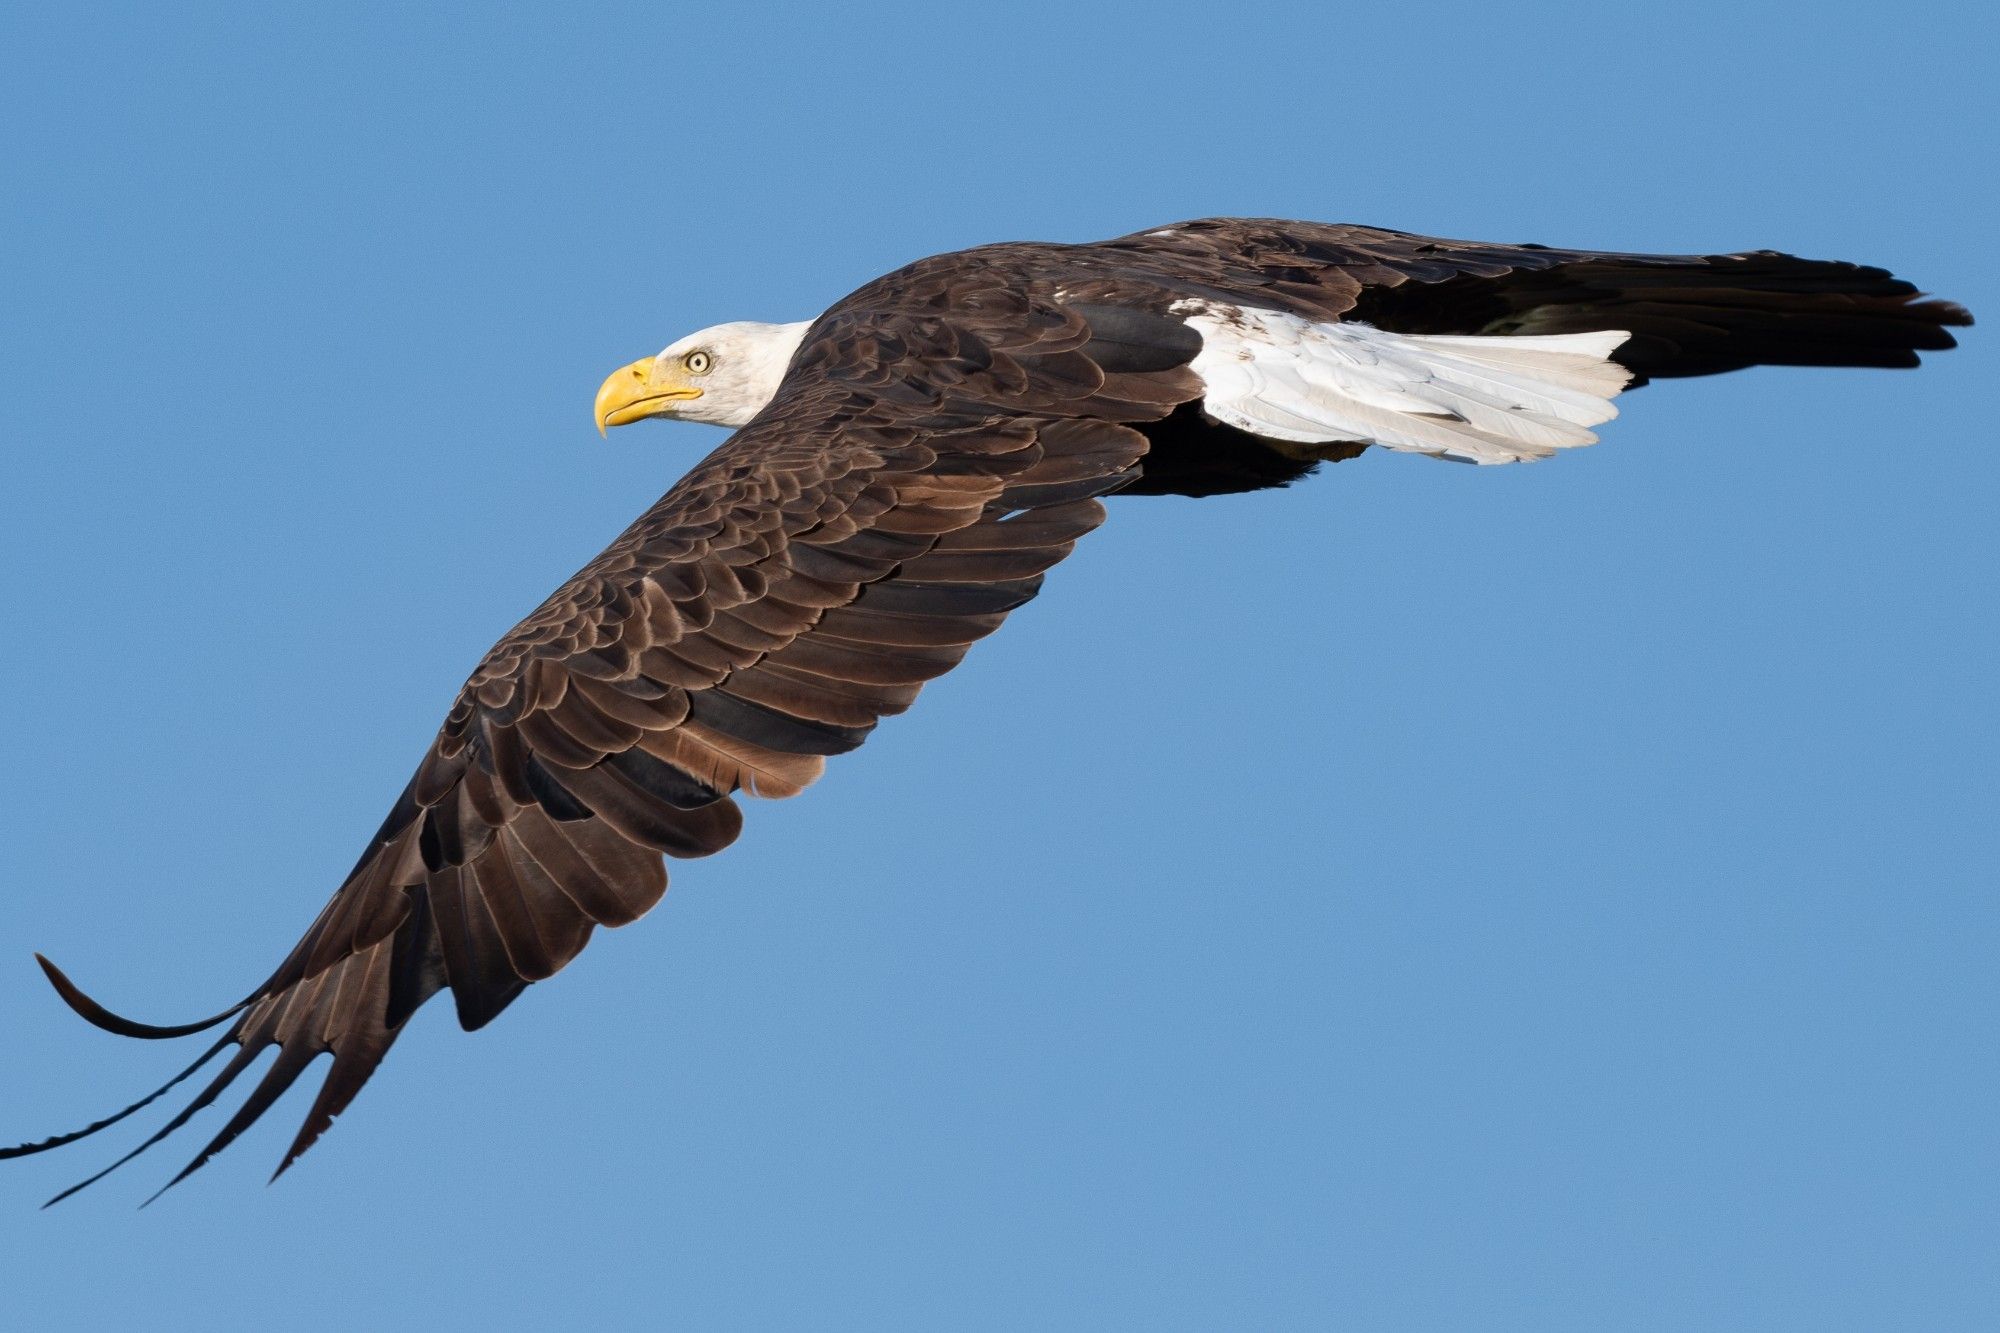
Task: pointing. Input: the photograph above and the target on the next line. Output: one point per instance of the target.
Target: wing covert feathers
(941, 439)
(800, 584)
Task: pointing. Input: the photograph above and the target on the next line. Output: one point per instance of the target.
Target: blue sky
(1557, 897)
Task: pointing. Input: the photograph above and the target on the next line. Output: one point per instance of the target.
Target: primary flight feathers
(906, 467)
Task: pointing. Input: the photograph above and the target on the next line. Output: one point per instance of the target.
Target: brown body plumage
(941, 438)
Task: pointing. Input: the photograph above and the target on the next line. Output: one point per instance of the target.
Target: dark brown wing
(1688, 314)
(904, 493)
(1684, 314)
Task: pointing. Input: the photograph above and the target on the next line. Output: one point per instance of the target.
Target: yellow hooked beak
(639, 390)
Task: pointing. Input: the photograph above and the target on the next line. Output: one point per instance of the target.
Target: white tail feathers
(1472, 399)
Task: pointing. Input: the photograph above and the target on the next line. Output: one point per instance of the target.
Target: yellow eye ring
(697, 363)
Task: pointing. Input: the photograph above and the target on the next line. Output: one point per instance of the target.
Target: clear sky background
(1546, 898)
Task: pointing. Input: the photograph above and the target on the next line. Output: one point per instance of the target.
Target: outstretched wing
(802, 582)
(1686, 314)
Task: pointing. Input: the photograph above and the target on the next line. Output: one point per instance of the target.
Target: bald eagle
(903, 470)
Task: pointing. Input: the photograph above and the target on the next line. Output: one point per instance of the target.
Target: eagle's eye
(697, 362)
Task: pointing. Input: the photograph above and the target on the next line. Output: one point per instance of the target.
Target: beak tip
(622, 390)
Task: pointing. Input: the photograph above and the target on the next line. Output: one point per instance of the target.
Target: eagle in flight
(904, 468)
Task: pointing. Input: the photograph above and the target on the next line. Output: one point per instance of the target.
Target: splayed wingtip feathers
(95, 1014)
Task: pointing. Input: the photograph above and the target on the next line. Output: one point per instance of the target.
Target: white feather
(1470, 398)
(747, 362)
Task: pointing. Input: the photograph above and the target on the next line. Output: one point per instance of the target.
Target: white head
(722, 375)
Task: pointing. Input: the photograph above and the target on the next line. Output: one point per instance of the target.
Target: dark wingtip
(185, 1172)
(57, 1141)
(1951, 312)
(207, 1095)
(90, 1011)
